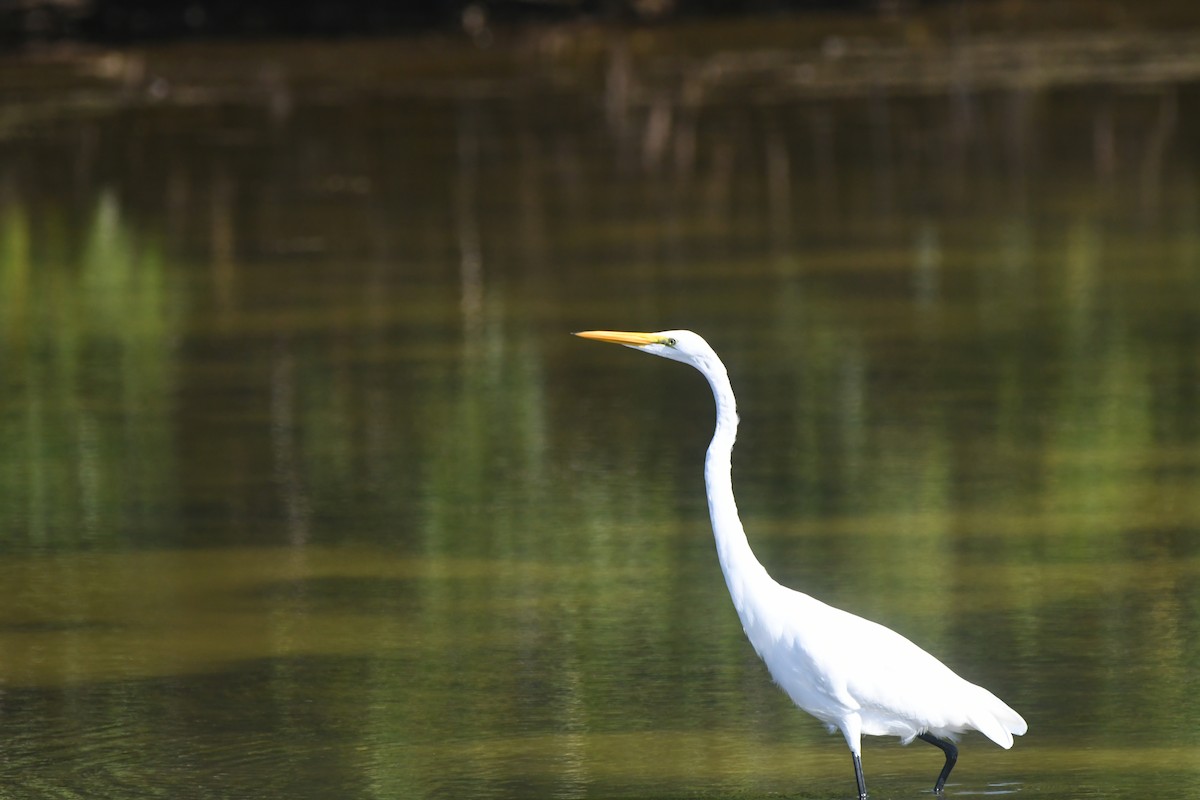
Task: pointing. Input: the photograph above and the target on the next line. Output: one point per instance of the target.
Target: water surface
(305, 491)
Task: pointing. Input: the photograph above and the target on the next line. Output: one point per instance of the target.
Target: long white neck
(742, 570)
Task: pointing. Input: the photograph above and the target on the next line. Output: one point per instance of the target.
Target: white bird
(852, 674)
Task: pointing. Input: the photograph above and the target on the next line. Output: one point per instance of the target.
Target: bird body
(852, 674)
(844, 670)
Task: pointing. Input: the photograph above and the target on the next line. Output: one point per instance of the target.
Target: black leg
(951, 757)
(858, 776)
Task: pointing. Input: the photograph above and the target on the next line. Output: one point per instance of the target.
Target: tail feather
(997, 721)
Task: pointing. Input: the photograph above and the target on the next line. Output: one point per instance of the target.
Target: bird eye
(670, 342)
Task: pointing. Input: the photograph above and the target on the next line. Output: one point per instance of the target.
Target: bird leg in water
(951, 757)
(858, 776)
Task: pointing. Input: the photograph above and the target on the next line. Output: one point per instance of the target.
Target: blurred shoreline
(949, 48)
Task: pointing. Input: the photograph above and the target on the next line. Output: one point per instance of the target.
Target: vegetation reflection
(88, 347)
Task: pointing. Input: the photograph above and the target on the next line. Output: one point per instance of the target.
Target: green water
(306, 492)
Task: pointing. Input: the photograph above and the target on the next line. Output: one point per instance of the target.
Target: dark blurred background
(24, 20)
(33, 21)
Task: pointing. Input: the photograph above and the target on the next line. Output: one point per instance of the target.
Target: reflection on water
(304, 488)
(88, 362)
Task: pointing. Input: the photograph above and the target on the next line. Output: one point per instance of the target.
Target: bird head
(685, 346)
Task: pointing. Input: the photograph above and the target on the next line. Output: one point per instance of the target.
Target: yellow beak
(622, 337)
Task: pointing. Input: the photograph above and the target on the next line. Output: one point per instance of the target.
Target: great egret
(852, 674)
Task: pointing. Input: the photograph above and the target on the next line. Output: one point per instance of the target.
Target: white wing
(834, 663)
